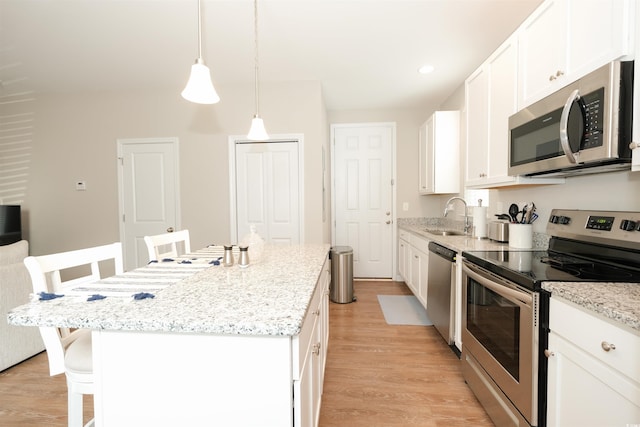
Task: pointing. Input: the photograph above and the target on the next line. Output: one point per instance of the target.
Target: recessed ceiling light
(425, 69)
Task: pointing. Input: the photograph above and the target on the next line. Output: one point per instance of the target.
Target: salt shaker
(243, 261)
(227, 259)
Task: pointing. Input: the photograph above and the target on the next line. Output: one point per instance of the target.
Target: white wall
(76, 139)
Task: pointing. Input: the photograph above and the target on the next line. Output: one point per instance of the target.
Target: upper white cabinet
(440, 153)
(565, 39)
(490, 98)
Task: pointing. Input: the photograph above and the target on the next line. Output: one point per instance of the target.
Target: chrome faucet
(449, 207)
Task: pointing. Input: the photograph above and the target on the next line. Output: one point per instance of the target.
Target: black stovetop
(530, 268)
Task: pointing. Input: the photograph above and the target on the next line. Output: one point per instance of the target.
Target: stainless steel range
(506, 315)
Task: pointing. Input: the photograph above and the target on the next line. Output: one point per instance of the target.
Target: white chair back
(45, 277)
(166, 245)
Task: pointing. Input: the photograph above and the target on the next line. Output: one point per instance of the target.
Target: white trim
(121, 142)
(394, 240)
(298, 138)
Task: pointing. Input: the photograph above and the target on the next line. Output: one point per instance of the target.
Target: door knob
(388, 213)
(170, 230)
(388, 222)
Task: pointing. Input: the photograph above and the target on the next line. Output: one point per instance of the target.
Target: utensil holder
(521, 236)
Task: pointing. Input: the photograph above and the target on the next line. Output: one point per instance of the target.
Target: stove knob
(564, 220)
(553, 219)
(628, 225)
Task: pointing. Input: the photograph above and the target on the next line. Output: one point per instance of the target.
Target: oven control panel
(607, 227)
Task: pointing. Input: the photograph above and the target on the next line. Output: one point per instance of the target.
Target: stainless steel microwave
(582, 128)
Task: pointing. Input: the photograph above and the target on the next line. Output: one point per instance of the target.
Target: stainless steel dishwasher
(440, 287)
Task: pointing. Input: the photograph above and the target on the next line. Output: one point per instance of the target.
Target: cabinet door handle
(607, 346)
(548, 353)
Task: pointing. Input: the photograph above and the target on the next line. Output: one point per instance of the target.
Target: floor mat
(403, 310)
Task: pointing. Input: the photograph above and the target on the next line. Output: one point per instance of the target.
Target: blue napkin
(45, 296)
(143, 295)
(96, 297)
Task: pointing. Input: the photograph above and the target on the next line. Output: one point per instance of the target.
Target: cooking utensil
(524, 214)
(528, 211)
(504, 217)
(513, 212)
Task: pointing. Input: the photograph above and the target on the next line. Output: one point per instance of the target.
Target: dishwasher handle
(444, 252)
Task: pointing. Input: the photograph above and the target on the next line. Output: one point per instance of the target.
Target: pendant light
(257, 132)
(199, 88)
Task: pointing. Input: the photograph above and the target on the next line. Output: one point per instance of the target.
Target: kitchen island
(224, 346)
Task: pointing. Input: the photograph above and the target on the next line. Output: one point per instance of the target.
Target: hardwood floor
(29, 397)
(387, 375)
(377, 375)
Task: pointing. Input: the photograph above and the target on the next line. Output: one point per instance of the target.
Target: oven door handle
(499, 289)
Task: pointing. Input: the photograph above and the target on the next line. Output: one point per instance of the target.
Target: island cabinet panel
(163, 379)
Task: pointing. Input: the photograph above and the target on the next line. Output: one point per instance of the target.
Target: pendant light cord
(255, 40)
(199, 31)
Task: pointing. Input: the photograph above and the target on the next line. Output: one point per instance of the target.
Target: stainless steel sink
(444, 232)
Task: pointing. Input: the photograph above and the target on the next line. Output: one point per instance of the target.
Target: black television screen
(10, 224)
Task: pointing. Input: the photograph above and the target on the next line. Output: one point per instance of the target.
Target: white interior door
(149, 193)
(363, 196)
(267, 190)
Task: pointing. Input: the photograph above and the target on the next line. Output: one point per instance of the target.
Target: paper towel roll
(480, 221)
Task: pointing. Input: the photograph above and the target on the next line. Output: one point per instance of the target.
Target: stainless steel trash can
(341, 274)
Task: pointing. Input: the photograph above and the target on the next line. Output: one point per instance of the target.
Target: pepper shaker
(243, 261)
(227, 259)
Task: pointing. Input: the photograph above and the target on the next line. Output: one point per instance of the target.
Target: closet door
(267, 190)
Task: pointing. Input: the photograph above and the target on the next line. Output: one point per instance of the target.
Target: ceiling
(365, 53)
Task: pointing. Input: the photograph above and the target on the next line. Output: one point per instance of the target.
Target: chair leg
(74, 407)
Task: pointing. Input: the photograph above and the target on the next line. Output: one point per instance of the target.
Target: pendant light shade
(257, 132)
(199, 88)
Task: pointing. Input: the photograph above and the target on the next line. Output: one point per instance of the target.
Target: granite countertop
(457, 243)
(269, 297)
(619, 302)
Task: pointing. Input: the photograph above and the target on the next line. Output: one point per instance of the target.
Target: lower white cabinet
(594, 370)
(312, 350)
(413, 263)
(403, 254)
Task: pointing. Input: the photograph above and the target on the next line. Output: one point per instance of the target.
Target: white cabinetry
(594, 374)
(413, 263)
(440, 153)
(311, 346)
(565, 39)
(403, 255)
(490, 98)
(419, 260)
